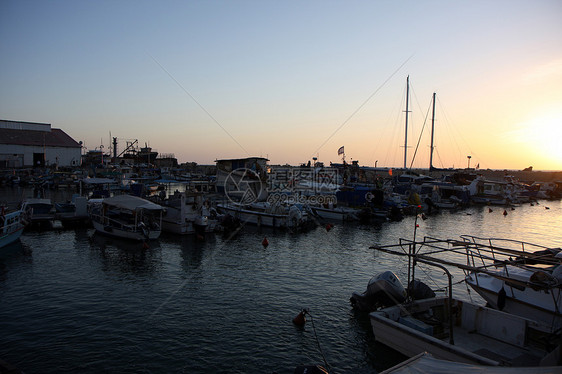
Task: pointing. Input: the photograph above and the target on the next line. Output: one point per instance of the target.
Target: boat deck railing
(480, 255)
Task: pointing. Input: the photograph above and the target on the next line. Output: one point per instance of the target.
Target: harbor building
(26, 144)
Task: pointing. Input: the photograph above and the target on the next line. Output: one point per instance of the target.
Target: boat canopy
(130, 203)
(425, 363)
(97, 181)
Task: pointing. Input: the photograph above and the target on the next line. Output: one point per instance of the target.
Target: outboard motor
(383, 290)
(419, 290)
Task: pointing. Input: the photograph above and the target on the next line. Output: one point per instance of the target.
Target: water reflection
(124, 256)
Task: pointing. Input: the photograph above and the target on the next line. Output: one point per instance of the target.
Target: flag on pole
(340, 151)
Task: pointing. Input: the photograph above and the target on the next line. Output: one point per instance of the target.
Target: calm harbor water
(73, 301)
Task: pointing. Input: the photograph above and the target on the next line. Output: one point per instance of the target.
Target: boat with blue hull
(11, 225)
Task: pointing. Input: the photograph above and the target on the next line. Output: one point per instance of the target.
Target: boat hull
(480, 335)
(11, 237)
(536, 304)
(255, 217)
(125, 233)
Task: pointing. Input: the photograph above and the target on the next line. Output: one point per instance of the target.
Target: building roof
(53, 138)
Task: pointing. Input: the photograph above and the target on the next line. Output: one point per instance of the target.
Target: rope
(306, 311)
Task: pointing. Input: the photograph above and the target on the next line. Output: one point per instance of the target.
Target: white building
(25, 144)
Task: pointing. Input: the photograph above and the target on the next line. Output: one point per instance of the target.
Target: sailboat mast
(406, 129)
(432, 129)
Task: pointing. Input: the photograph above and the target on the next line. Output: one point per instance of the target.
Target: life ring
(369, 197)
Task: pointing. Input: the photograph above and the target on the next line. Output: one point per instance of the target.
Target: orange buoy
(329, 226)
(505, 212)
(300, 319)
(265, 242)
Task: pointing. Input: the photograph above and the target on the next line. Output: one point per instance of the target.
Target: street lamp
(469, 157)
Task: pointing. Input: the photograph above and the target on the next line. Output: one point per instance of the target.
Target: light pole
(469, 157)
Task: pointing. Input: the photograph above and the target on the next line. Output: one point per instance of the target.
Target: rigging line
(187, 279)
(196, 102)
(421, 133)
(318, 341)
(362, 105)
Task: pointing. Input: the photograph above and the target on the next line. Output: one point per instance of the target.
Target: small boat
(11, 225)
(127, 216)
(294, 217)
(74, 212)
(186, 213)
(336, 213)
(516, 277)
(458, 330)
(40, 210)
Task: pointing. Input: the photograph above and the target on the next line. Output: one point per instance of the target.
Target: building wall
(63, 156)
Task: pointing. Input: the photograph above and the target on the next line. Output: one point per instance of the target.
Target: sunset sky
(292, 80)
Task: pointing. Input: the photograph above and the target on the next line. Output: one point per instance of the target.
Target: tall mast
(432, 129)
(406, 129)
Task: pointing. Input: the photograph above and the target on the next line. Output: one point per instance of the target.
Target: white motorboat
(293, 217)
(187, 213)
(516, 277)
(128, 217)
(336, 213)
(458, 330)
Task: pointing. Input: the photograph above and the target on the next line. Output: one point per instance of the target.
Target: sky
(293, 80)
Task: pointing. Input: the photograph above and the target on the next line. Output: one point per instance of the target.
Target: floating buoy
(145, 245)
(300, 319)
(512, 208)
(505, 212)
(532, 204)
(490, 210)
(265, 242)
(546, 207)
(329, 226)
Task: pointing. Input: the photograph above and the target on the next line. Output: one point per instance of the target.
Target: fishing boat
(458, 330)
(128, 217)
(11, 225)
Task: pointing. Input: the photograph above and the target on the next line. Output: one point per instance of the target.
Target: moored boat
(186, 213)
(459, 330)
(11, 225)
(128, 217)
(294, 217)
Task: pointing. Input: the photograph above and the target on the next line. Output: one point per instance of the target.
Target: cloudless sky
(292, 80)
